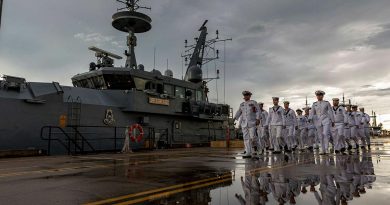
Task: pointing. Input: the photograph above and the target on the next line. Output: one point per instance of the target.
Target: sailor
(290, 125)
(249, 115)
(338, 129)
(302, 129)
(323, 110)
(311, 130)
(262, 134)
(350, 129)
(359, 119)
(366, 122)
(275, 124)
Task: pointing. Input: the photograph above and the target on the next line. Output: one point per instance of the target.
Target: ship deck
(199, 176)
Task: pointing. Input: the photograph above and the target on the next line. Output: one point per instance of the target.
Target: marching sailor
(262, 133)
(302, 130)
(366, 122)
(350, 128)
(290, 125)
(249, 115)
(359, 118)
(338, 129)
(275, 123)
(325, 119)
(357, 131)
(311, 130)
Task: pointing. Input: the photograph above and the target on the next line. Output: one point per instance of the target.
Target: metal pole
(49, 145)
(224, 72)
(115, 138)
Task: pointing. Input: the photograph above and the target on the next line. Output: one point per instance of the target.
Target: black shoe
(293, 149)
(288, 151)
(342, 149)
(276, 152)
(337, 152)
(247, 156)
(357, 147)
(349, 147)
(310, 148)
(271, 149)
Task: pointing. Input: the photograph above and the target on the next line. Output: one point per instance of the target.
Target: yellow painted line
(157, 190)
(166, 194)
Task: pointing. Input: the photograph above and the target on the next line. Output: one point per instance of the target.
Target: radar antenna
(103, 58)
(132, 5)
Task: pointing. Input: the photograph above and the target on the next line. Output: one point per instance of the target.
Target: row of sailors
(350, 180)
(282, 128)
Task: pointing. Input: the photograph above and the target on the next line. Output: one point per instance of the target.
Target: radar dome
(141, 67)
(195, 74)
(169, 73)
(156, 72)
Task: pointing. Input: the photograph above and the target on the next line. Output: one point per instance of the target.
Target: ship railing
(51, 138)
(79, 139)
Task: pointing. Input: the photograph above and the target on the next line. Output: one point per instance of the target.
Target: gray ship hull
(60, 119)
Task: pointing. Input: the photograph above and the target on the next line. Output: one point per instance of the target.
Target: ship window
(168, 89)
(179, 92)
(199, 95)
(193, 97)
(140, 83)
(160, 88)
(119, 82)
(98, 82)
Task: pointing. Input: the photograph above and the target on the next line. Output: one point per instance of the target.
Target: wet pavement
(199, 176)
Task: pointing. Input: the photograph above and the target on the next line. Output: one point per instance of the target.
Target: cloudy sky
(286, 48)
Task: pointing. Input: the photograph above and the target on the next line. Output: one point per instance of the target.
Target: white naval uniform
(359, 119)
(338, 129)
(262, 135)
(350, 129)
(290, 121)
(366, 122)
(325, 117)
(312, 134)
(275, 123)
(302, 131)
(248, 113)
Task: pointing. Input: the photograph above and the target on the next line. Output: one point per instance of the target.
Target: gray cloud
(284, 48)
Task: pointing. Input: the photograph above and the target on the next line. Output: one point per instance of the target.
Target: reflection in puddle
(303, 178)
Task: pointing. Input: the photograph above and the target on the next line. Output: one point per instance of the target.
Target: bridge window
(168, 89)
(180, 92)
(199, 95)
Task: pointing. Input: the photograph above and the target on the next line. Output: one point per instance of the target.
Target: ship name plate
(158, 101)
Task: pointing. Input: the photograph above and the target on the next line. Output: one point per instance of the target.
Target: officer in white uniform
(325, 117)
(290, 125)
(366, 122)
(338, 129)
(249, 115)
(262, 134)
(275, 123)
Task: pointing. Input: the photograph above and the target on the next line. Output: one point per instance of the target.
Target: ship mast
(1, 10)
(131, 22)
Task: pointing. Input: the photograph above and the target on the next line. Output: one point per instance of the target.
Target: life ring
(138, 137)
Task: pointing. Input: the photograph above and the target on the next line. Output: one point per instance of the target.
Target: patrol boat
(107, 103)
